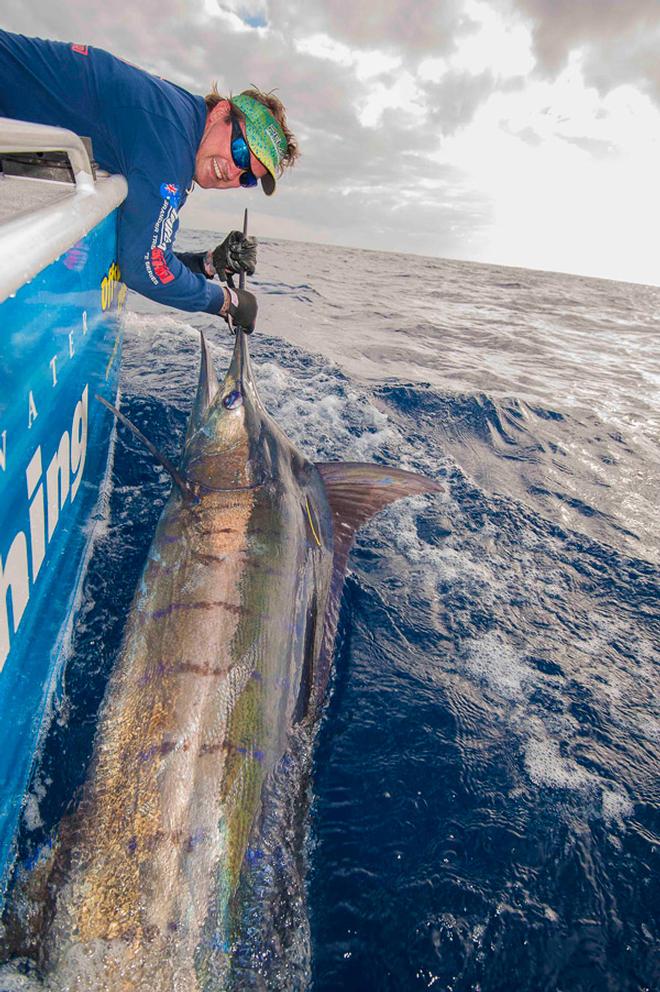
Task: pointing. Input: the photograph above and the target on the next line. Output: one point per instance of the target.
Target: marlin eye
(232, 400)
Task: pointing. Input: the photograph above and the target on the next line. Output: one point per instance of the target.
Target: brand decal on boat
(111, 287)
(76, 257)
(47, 496)
(55, 365)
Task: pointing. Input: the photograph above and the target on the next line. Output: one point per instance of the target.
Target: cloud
(456, 97)
(241, 13)
(412, 29)
(620, 40)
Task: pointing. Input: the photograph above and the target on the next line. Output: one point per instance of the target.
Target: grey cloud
(454, 100)
(620, 39)
(526, 134)
(594, 147)
(416, 27)
(638, 62)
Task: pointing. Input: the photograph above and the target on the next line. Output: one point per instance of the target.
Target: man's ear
(219, 111)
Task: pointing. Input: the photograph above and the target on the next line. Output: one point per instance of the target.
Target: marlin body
(228, 646)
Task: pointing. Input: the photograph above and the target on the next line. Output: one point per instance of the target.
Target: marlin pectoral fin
(179, 480)
(356, 491)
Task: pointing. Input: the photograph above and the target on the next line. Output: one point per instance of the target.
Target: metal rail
(33, 237)
(23, 136)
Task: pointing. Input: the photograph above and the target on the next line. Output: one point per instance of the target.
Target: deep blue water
(485, 794)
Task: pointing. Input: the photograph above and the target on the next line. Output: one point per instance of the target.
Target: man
(163, 140)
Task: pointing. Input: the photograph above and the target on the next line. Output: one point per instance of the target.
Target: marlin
(227, 649)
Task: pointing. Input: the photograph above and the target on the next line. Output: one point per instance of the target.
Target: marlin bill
(227, 652)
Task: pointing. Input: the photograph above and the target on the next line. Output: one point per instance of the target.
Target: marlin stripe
(208, 605)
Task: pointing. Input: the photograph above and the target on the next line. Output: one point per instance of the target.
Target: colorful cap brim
(265, 137)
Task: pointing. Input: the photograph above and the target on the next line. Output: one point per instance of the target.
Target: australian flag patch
(171, 193)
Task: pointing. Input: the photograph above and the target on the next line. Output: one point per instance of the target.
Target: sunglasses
(241, 154)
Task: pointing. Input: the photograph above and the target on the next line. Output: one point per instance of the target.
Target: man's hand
(236, 254)
(241, 306)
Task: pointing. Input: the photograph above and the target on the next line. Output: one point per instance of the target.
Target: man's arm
(148, 225)
(197, 262)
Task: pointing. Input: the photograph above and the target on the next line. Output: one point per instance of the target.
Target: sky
(517, 132)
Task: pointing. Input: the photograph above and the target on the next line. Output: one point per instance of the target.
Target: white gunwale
(33, 238)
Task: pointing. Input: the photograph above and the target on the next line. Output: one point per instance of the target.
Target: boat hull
(60, 345)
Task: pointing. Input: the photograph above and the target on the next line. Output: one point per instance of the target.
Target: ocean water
(485, 801)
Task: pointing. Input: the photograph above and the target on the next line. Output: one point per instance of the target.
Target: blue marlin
(227, 649)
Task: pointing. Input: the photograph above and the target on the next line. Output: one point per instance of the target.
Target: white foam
(545, 764)
(322, 411)
(428, 565)
(156, 325)
(616, 806)
(495, 662)
(545, 737)
(31, 810)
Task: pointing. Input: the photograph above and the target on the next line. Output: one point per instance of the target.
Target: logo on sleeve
(159, 266)
(171, 193)
(163, 235)
(80, 49)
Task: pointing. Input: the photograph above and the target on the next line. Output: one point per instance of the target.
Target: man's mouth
(218, 173)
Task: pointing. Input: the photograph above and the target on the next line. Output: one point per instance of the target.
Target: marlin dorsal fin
(356, 492)
(207, 390)
(178, 479)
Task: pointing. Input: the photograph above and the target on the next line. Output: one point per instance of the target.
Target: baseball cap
(265, 137)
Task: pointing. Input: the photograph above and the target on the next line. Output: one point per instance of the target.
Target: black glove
(237, 253)
(242, 309)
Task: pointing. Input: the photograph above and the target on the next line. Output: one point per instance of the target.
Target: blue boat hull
(60, 345)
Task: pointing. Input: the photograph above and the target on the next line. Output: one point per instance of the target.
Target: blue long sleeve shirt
(141, 126)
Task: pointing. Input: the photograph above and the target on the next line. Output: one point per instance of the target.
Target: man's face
(214, 166)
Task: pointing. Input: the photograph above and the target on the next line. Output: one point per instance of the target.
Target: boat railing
(40, 219)
(21, 136)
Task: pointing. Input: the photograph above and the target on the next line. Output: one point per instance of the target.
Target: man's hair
(276, 107)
